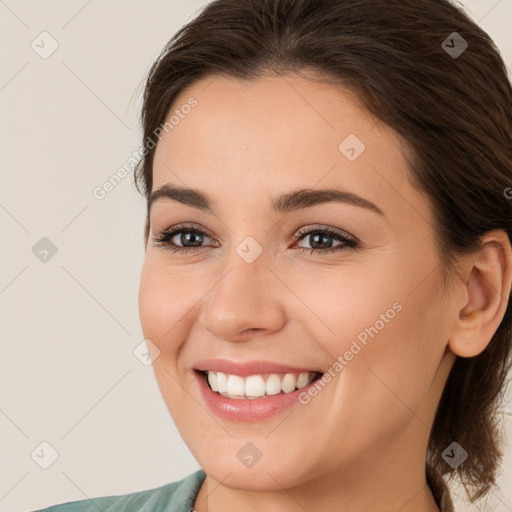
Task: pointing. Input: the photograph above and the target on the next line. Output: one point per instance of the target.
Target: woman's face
(370, 313)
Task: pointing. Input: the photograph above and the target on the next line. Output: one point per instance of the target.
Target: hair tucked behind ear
(453, 113)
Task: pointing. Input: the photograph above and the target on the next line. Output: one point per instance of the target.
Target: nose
(247, 300)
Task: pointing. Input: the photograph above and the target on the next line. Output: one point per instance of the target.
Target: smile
(257, 386)
(251, 391)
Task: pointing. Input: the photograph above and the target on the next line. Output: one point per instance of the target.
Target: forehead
(272, 134)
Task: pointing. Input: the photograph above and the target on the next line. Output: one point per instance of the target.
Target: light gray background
(69, 326)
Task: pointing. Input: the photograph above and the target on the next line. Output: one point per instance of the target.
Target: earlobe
(488, 287)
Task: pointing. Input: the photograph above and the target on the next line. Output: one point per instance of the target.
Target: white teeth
(273, 385)
(288, 383)
(212, 380)
(235, 385)
(257, 386)
(222, 382)
(254, 386)
(302, 380)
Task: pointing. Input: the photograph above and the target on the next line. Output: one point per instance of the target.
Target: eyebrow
(295, 200)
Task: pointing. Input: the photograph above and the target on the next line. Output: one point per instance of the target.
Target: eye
(191, 239)
(319, 238)
(188, 235)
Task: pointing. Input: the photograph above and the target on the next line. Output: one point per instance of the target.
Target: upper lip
(244, 368)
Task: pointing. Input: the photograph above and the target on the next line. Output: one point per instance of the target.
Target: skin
(362, 441)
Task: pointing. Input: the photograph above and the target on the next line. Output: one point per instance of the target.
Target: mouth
(256, 386)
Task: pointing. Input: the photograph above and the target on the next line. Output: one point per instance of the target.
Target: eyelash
(165, 237)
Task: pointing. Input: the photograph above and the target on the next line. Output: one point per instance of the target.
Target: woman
(325, 291)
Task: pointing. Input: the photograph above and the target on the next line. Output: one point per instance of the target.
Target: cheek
(161, 306)
(151, 303)
(343, 305)
(390, 339)
(160, 311)
(390, 376)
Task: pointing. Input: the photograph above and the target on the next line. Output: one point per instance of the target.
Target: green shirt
(180, 496)
(174, 497)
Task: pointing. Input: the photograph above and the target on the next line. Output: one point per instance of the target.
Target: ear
(488, 283)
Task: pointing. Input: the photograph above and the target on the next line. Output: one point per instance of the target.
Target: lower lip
(246, 409)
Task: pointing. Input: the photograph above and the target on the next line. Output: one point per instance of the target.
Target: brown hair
(453, 112)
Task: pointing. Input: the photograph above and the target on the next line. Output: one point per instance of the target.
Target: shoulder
(177, 496)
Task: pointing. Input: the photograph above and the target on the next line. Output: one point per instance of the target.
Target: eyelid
(186, 226)
(309, 230)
